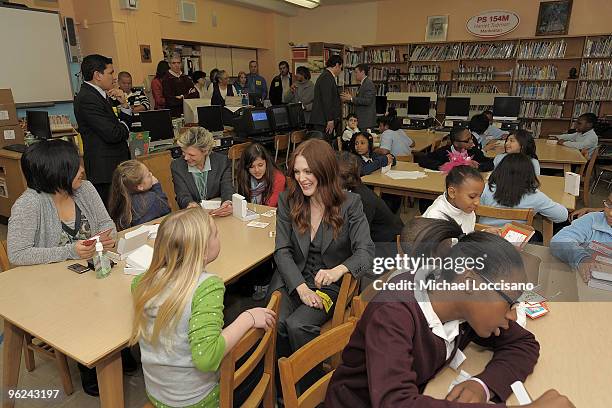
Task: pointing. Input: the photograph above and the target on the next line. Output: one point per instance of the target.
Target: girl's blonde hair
(197, 137)
(179, 257)
(126, 178)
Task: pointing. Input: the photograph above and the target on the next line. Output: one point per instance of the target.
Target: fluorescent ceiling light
(306, 3)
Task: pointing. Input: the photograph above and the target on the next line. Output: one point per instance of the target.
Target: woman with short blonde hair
(201, 174)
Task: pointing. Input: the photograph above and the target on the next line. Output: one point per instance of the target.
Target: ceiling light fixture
(305, 3)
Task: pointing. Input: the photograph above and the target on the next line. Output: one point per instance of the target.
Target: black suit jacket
(437, 158)
(276, 89)
(218, 182)
(326, 105)
(104, 136)
(216, 98)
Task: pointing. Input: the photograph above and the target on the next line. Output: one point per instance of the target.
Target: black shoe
(128, 362)
(89, 380)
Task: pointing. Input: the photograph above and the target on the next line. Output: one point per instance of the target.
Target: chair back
(281, 144)
(514, 214)
(294, 367)
(232, 377)
(586, 175)
(5, 265)
(234, 154)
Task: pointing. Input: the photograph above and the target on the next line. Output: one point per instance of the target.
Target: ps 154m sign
(494, 23)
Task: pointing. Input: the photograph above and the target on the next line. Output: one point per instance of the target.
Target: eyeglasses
(607, 204)
(464, 141)
(513, 303)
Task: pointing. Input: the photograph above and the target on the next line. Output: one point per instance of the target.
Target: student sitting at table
(513, 184)
(136, 196)
(259, 179)
(362, 144)
(178, 314)
(584, 137)
(393, 139)
(478, 127)
(201, 174)
(351, 128)
(520, 141)
(464, 185)
(321, 234)
(493, 132)
(461, 141)
(406, 336)
(571, 243)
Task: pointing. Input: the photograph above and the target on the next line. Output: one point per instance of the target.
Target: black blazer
(385, 226)
(353, 247)
(104, 136)
(217, 99)
(326, 105)
(276, 89)
(218, 183)
(437, 158)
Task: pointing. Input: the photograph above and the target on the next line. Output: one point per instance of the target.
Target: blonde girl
(178, 320)
(136, 196)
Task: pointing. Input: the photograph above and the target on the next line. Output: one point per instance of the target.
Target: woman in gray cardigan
(302, 91)
(321, 234)
(51, 219)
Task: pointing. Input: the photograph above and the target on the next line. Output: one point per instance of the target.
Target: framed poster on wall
(554, 17)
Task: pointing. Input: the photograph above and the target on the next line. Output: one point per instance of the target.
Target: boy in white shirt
(584, 137)
(493, 132)
(393, 140)
(349, 131)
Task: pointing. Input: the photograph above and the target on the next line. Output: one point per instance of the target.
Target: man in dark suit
(104, 134)
(365, 100)
(327, 107)
(281, 84)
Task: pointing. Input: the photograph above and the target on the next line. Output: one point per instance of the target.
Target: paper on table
(150, 229)
(385, 169)
(431, 171)
(210, 204)
(551, 141)
(269, 213)
(521, 393)
(140, 258)
(463, 376)
(405, 175)
(258, 224)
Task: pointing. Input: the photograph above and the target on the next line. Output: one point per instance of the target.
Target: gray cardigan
(34, 228)
(353, 248)
(304, 93)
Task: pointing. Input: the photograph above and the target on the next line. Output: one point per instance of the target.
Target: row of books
(384, 73)
(596, 70)
(488, 51)
(382, 89)
(586, 107)
(541, 110)
(593, 90)
(439, 52)
(600, 47)
(524, 71)
(541, 91)
(424, 69)
(349, 77)
(476, 88)
(474, 73)
(352, 58)
(535, 127)
(543, 49)
(381, 55)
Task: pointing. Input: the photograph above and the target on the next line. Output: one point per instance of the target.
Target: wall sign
(493, 23)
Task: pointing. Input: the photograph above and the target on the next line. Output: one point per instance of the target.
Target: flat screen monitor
(506, 107)
(279, 116)
(38, 124)
(190, 109)
(457, 108)
(158, 123)
(418, 107)
(211, 118)
(296, 115)
(259, 121)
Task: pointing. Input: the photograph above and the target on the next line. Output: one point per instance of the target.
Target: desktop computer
(279, 117)
(418, 112)
(506, 109)
(456, 113)
(39, 124)
(190, 109)
(159, 125)
(211, 118)
(296, 116)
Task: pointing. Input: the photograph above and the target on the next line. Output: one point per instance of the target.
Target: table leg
(13, 345)
(377, 191)
(110, 381)
(547, 230)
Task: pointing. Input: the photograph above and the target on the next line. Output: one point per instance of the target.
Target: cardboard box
(8, 112)
(12, 134)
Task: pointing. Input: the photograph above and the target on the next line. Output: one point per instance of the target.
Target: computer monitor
(190, 108)
(457, 108)
(159, 125)
(258, 121)
(506, 107)
(296, 115)
(279, 116)
(39, 124)
(211, 118)
(418, 107)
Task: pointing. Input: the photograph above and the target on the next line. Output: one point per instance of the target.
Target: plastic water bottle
(101, 261)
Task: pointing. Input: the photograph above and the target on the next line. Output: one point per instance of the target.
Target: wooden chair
(297, 137)
(294, 367)
(32, 344)
(234, 154)
(514, 214)
(586, 172)
(349, 287)
(281, 144)
(264, 393)
(436, 145)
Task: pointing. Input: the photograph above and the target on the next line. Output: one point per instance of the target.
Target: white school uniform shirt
(441, 209)
(587, 140)
(348, 133)
(493, 132)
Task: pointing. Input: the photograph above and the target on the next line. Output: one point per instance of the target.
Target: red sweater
(278, 186)
(393, 354)
(158, 93)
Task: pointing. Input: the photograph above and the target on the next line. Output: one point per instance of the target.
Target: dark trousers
(103, 190)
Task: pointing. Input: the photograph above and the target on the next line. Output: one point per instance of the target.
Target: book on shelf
(541, 91)
(476, 88)
(524, 71)
(535, 127)
(598, 47)
(381, 55)
(542, 49)
(594, 91)
(439, 52)
(596, 70)
(488, 51)
(474, 73)
(352, 58)
(385, 73)
(586, 107)
(544, 110)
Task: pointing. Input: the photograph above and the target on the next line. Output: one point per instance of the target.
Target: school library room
(305, 203)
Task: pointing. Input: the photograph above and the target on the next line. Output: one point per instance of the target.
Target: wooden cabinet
(12, 182)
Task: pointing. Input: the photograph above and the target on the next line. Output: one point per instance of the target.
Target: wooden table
(89, 319)
(433, 185)
(550, 156)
